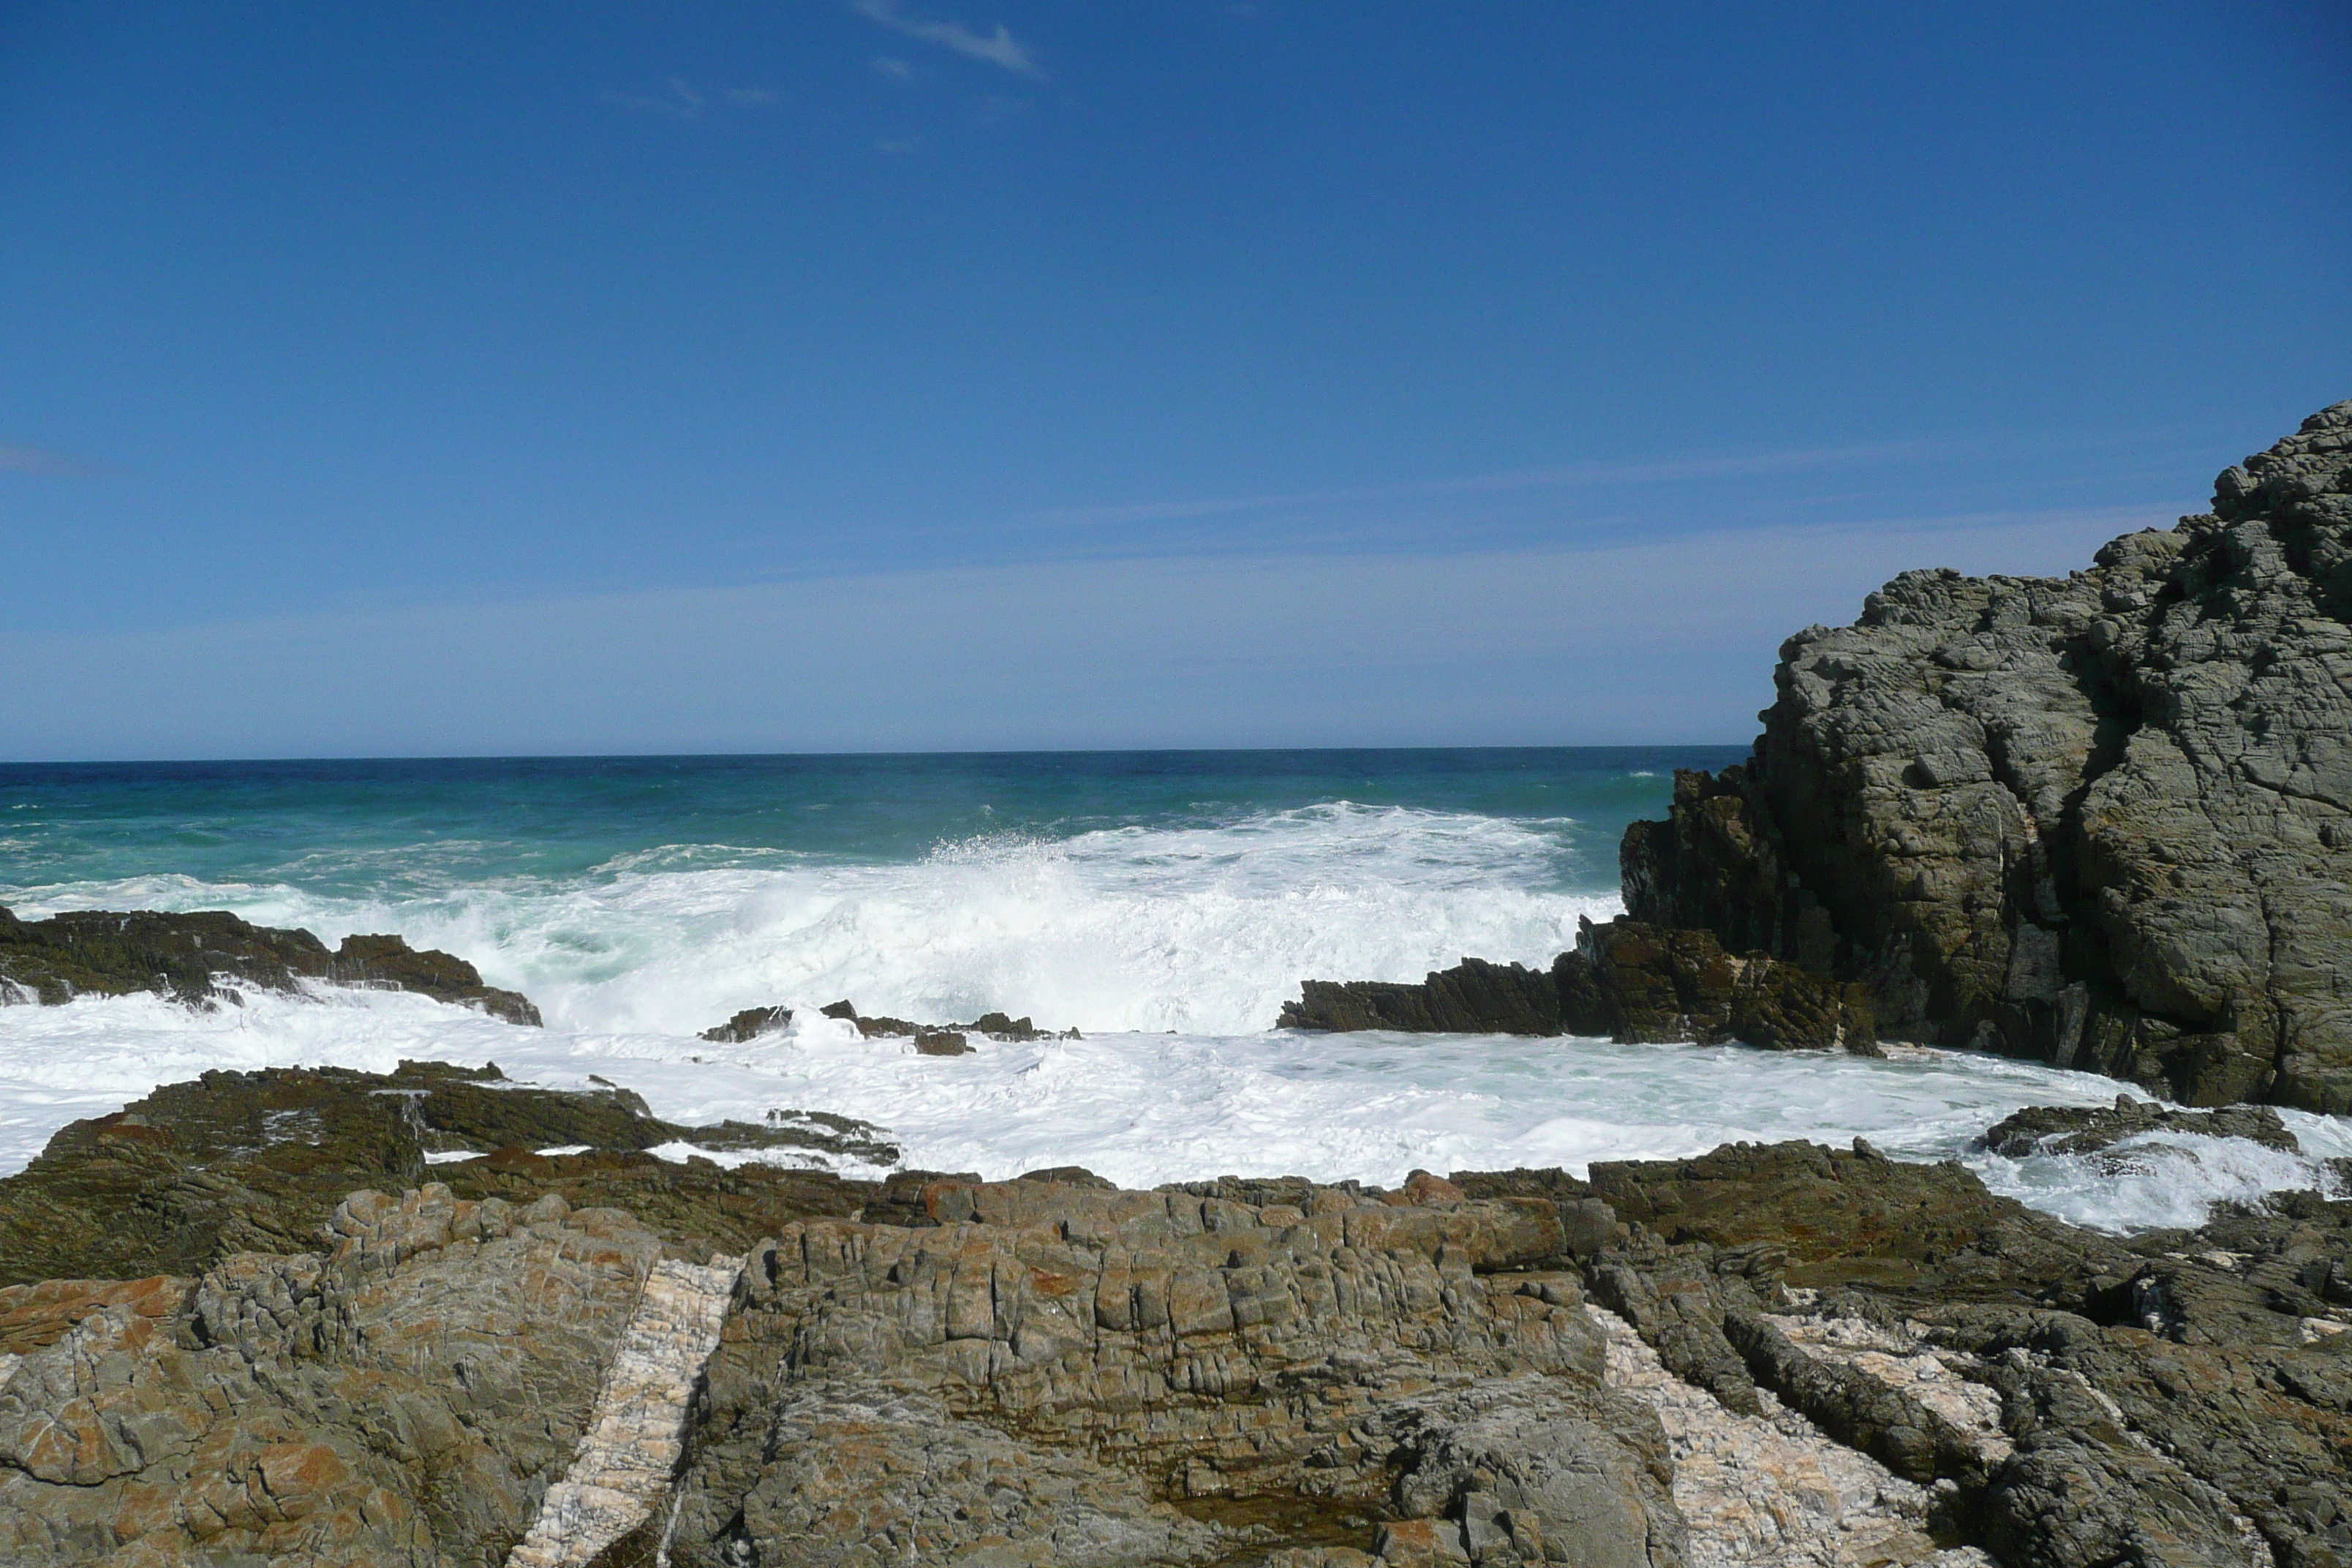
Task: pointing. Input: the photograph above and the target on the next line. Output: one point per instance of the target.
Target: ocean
(1165, 904)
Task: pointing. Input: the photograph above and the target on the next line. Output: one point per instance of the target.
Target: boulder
(1067, 1372)
(404, 1400)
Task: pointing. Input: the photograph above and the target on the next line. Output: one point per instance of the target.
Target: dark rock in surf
(201, 958)
(749, 1025)
(1472, 998)
(2104, 821)
(1633, 983)
(2084, 1130)
(1646, 985)
(388, 962)
(994, 1026)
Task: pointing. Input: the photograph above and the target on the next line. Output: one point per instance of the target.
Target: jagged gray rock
(402, 1401)
(2104, 821)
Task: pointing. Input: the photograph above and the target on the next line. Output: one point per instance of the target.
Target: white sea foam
(1173, 948)
(1206, 929)
(1148, 1108)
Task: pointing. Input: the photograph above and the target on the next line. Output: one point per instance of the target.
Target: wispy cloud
(1665, 471)
(893, 68)
(998, 48)
(685, 101)
(36, 460)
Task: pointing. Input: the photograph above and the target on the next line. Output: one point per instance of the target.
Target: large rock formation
(403, 1398)
(2104, 821)
(203, 957)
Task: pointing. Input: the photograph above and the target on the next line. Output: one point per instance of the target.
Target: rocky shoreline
(1766, 1354)
(437, 1318)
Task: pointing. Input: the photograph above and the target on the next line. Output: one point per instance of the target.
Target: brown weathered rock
(2102, 821)
(749, 1025)
(994, 1026)
(1472, 998)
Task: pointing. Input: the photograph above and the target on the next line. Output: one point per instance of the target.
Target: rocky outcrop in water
(1773, 1355)
(994, 1026)
(202, 959)
(1625, 980)
(2086, 1130)
(2104, 821)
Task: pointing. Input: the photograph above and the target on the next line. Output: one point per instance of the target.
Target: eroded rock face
(1806, 1356)
(2104, 821)
(1051, 1373)
(186, 956)
(404, 1400)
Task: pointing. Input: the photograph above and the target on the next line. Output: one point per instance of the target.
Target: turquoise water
(372, 828)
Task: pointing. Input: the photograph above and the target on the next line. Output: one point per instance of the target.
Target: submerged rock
(2104, 821)
(201, 958)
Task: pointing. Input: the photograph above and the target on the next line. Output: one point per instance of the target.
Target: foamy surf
(1201, 928)
(1172, 938)
(1143, 1108)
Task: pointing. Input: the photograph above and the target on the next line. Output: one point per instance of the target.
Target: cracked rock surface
(1768, 1356)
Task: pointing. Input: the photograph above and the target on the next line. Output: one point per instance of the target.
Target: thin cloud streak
(687, 102)
(998, 48)
(1493, 484)
(1641, 641)
(16, 459)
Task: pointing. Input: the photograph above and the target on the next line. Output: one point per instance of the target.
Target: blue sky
(874, 374)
